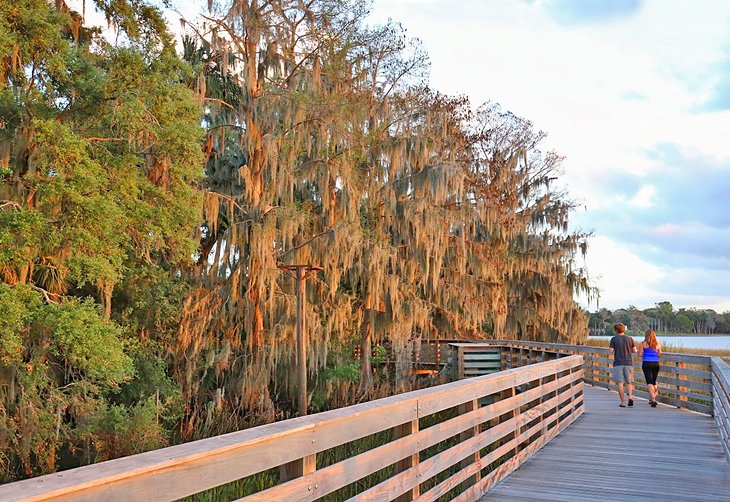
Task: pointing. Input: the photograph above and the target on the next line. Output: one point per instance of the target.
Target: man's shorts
(623, 374)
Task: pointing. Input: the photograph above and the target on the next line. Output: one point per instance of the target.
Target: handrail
(721, 400)
(685, 380)
(500, 420)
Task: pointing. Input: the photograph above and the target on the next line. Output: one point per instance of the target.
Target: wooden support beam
(410, 461)
(469, 433)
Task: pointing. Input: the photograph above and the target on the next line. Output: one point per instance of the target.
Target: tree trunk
(366, 328)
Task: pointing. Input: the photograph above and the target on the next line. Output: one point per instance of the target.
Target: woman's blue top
(650, 355)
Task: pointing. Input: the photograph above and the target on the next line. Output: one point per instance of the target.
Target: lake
(721, 342)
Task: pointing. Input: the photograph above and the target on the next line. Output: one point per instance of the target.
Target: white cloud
(606, 94)
(644, 197)
(621, 275)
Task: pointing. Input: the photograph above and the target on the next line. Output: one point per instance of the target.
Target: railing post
(298, 468)
(460, 357)
(557, 402)
(573, 383)
(468, 433)
(541, 383)
(408, 462)
(681, 376)
(510, 393)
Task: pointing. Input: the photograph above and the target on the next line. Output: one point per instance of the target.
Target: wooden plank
(409, 461)
(664, 380)
(705, 375)
(721, 371)
(479, 356)
(721, 401)
(683, 450)
(681, 376)
(298, 468)
(480, 352)
(482, 364)
(686, 358)
(453, 481)
(661, 398)
(474, 388)
(392, 487)
(584, 349)
(336, 476)
(508, 467)
(474, 372)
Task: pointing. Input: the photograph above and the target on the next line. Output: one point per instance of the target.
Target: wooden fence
(455, 440)
(695, 382)
(685, 380)
(721, 401)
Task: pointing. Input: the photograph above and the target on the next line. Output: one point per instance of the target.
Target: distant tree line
(662, 318)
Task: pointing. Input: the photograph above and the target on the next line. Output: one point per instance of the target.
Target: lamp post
(301, 272)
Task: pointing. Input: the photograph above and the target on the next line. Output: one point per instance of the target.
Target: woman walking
(650, 351)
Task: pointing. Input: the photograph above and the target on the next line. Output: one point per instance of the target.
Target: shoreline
(668, 335)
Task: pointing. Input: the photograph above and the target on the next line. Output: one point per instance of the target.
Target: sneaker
(631, 402)
(622, 405)
(653, 404)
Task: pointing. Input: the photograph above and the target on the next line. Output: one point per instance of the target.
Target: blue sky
(636, 95)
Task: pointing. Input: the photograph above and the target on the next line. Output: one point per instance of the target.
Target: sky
(636, 95)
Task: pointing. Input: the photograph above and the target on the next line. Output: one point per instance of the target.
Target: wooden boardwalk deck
(624, 454)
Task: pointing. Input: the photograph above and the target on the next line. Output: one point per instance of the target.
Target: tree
(326, 144)
(99, 157)
(683, 323)
(523, 218)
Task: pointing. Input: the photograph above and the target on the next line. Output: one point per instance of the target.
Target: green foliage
(99, 161)
(58, 363)
(17, 308)
(21, 233)
(87, 342)
(380, 355)
(118, 430)
(684, 323)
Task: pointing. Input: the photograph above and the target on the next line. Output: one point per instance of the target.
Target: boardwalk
(662, 454)
(540, 398)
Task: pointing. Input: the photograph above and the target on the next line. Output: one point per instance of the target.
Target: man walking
(622, 347)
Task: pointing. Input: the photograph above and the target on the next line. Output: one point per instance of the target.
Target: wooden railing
(721, 400)
(685, 380)
(695, 382)
(455, 440)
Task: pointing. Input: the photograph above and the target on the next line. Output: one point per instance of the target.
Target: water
(689, 342)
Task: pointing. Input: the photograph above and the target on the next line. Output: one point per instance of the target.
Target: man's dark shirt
(623, 347)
